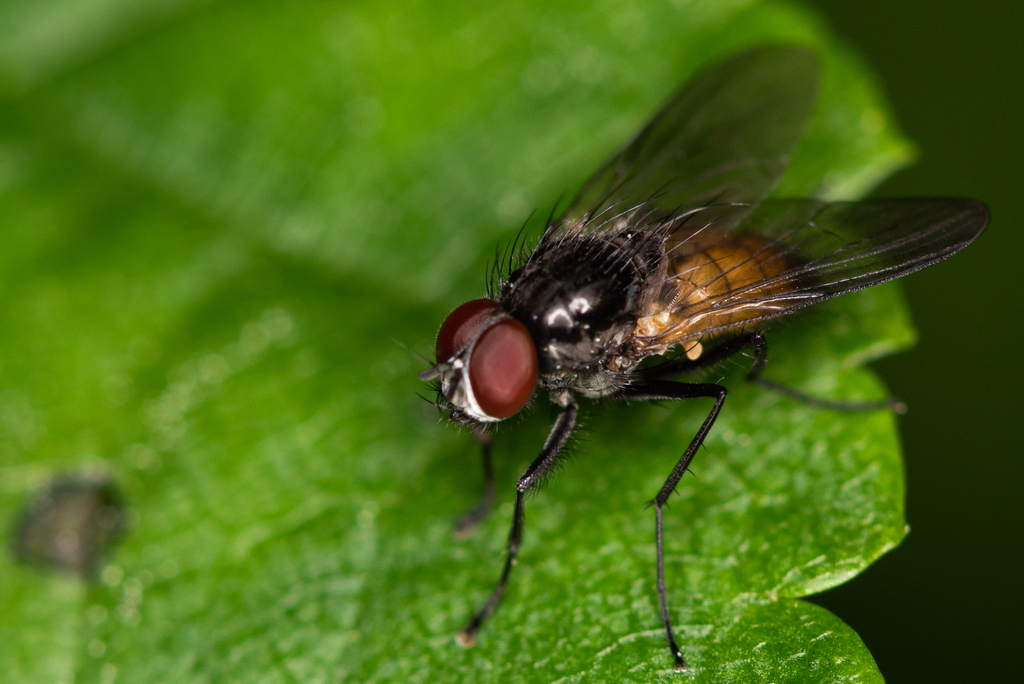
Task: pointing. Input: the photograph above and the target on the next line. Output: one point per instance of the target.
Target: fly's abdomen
(714, 282)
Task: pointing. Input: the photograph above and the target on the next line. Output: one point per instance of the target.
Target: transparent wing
(724, 138)
(789, 254)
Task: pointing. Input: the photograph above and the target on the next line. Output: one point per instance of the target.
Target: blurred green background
(954, 75)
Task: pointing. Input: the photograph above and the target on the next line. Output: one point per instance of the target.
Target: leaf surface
(218, 216)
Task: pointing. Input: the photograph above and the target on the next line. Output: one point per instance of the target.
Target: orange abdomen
(711, 278)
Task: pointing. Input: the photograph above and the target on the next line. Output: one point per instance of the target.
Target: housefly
(673, 250)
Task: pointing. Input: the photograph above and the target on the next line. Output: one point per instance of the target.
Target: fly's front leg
(473, 516)
(532, 478)
(756, 341)
(659, 391)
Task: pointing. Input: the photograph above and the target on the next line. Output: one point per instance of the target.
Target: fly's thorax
(590, 383)
(580, 298)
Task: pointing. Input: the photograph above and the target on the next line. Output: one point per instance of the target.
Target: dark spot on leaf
(71, 525)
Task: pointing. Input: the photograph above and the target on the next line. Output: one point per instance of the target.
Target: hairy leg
(660, 390)
(533, 476)
(755, 340)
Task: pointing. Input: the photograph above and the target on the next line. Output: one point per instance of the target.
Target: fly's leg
(660, 391)
(760, 359)
(652, 387)
(683, 365)
(531, 479)
(473, 516)
(756, 341)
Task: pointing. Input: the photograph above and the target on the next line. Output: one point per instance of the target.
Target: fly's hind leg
(757, 342)
(660, 390)
(760, 359)
(469, 520)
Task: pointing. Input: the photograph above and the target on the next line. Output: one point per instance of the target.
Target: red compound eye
(461, 327)
(503, 369)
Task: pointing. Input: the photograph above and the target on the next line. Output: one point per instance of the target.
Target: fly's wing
(724, 138)
(794, 253)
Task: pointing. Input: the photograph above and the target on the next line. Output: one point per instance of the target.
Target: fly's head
(486, 363)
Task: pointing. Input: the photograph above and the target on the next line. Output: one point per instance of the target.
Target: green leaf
(217, 217)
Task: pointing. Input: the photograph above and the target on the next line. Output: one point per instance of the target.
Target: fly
(672, 249)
